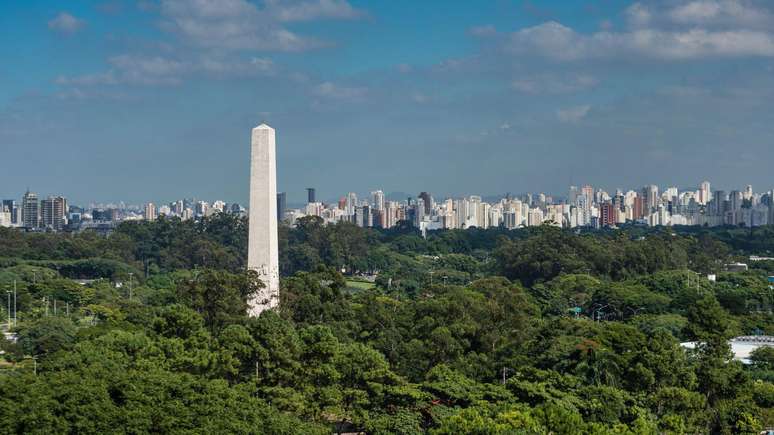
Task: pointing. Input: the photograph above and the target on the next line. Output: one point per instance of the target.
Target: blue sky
(154, 99)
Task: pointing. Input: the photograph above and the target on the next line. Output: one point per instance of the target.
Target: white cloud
(157, 70)
(405, 68)
(483, 31)
(553, 84)
(555, 41)
(154, 70)
(331, 90)
(573, 115)
(66, 23)
(290, 11)
(638, 15)
(420, 98)
(107, 78)
(230, 24)
(740, 13)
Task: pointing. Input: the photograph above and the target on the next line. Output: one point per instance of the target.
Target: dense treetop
(531, 331)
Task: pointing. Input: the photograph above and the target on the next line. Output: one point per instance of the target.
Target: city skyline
(299, 198)
(583, 206)
(122, 100)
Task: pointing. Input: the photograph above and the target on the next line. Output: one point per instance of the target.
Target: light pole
(8, 293)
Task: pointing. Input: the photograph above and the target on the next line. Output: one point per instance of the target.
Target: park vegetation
(531, 331)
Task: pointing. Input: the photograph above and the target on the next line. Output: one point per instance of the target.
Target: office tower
(428, 203)
(13, 210)
(704, 193)
(719, 202)
(150, 212)
(263, 254)
(281, 206)
(366, 213)
(310, 195)
(53, 213)
(30, 210)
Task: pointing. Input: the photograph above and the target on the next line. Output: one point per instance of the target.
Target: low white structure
(743, 346)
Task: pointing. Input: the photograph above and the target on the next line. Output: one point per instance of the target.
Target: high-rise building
(30, 210)
(263, 253)
(572, 197)
(748, 193)
(608, 214)
(5, 216)
(219, 206)
(718, 202)
(704, 193)
(378, 199)
(201, 208)
(13, 210)
(428, 203)
(107, 215)
(650, 198)
(736, 199)
(310, 195)
(350, 203)
(53, 213)
(281, 206)
(150, 213)
(588, 192)
(366, 217)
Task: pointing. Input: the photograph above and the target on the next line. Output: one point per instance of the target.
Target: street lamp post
(8, 293)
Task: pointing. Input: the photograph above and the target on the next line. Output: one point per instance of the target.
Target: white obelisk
(262, 253)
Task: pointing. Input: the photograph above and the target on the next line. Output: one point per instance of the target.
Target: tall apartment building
(30, 210)
(53, 213)
(150, 213)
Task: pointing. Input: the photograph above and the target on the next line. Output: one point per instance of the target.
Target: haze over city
(152, 100)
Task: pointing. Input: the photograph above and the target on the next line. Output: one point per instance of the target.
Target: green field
(360, 285)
